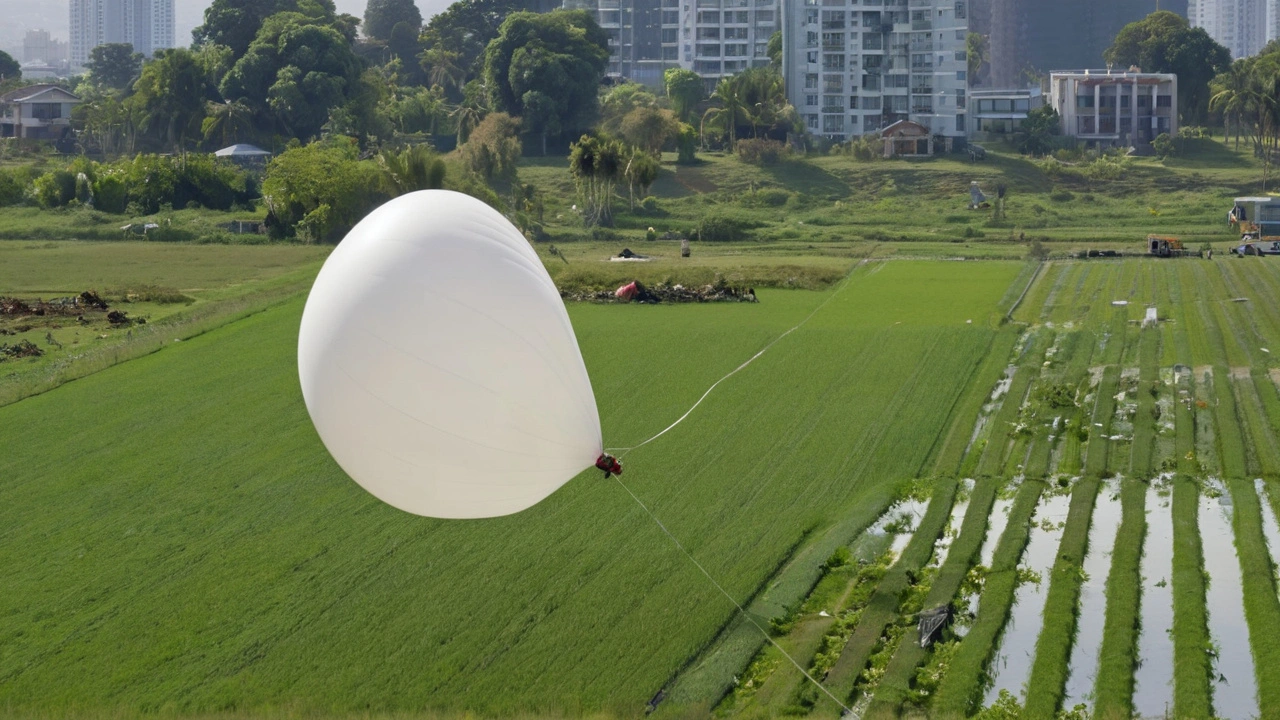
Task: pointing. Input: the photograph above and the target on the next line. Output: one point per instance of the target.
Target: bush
(1164, 146)
(110, 194)
(720, 228)
(13, 185)
(54, 189)
(1061, 196)
(768, 197)
(762, 151)
(687, 145)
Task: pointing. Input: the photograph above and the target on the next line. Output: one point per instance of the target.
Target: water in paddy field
(893, 528)
(1012, 664)
(1083, 669)
(1235, 693)
(996, 523)
(1269, 526)
(958, 508)
(1153, 678)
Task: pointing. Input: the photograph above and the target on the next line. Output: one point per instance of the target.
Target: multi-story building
(1241, 26)
(1106, 108)
(147, 25)
(999, 112)
(714, 38)
(853, 68)
(39, 46)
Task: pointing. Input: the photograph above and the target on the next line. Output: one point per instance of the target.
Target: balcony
(922, 90)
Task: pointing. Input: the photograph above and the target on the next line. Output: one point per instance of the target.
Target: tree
(416, 168)
(459, 35)
(649, 128)
(684, 90)
(561, 54)
(621, 99)
(1229, 95)
(113, 65)
(295, 72)
(236, 23)
(1033, 137)
(977, 52)
(319, 191)
(405, 48)
(1165, 42)
(729, 112)
(381, 16)
(9, 68)
(640, 172)
(774, 50)
(226, 122)
(596, 164)
(493, 148)
(171, 95)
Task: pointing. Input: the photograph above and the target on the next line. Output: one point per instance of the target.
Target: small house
(905, 138)
(37, 112)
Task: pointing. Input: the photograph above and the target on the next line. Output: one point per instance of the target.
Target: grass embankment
(1192, 662)
(961, 688)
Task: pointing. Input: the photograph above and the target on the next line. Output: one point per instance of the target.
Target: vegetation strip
(1261, 608)
(961, 688)
(1192, 666)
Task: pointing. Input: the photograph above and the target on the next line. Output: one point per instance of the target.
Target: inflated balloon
(438, 362)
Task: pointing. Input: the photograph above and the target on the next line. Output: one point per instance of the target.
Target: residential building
(36, 112)
(147, 25)
(1241, 26)
(999, 112)
(39, 47)
(714, 38)
(1105, 108)
(853, 68)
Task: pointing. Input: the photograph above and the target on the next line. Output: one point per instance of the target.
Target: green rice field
(1080, 459)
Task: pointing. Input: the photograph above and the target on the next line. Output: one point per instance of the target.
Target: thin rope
(623, 451)
(730, 598)
(843, 283)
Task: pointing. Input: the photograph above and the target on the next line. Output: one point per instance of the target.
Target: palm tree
(1231, 97)
(445, 71)
(227, 121)
(732, 108)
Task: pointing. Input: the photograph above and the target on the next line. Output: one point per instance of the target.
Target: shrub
(720, 228)
(687, 145)
(1164, 146)
(13, 185)
(762, 151)
(110, 194)
(1061, 196)
(54, 189)
(768, 197)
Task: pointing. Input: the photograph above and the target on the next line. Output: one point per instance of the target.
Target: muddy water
(1093, 600)
(1235, 693)
(1013, 659)
(1153, 678)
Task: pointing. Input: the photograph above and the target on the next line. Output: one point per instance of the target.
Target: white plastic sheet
(438, 363)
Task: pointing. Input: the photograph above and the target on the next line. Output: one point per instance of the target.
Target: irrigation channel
(1086, 549)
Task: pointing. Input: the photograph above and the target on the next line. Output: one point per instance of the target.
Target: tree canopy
(559, 56)
(113, 65)
(9, 68)
(455, 40)
(296, 70)
(1165, 42)
(381, 16)
(171, 95)
(235, 23)
(684, 89)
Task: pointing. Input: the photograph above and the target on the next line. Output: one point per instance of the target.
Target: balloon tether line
(731, 373)
(848, 711)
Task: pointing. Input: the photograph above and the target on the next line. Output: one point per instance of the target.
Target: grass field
(177, 540)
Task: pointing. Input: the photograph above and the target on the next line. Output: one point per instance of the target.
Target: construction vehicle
(1165, 246)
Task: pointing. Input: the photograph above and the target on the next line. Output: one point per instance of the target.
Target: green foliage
(493, 149)
(170, 96)
(597, 164)
(113, 65)
(977, 52)
(110, 193)
(1164, 146)
(10, 69)
(235, 23)
(382, 16)
(1034, 135)
(295, 72)
(649, 128)
(687, 145)
(323, 184)
(684, 89)
(724, 228)
(560, 55)
(762, 151)
(54, 189)
(13, 184)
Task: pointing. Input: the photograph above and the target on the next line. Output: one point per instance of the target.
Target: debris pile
(20, 349)
(664, 293)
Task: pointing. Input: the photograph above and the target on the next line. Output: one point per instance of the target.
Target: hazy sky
(52, 15)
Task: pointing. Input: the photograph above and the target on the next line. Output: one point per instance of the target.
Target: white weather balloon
(439, 365)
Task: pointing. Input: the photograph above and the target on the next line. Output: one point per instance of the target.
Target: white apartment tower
(714, 38)
(1241, 26)
(853, 67)
(147, 25)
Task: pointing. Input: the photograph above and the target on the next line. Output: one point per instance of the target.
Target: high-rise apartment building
(853, 67)
(1241, 26)
(714, 38)
(147, 25)
(39, 46)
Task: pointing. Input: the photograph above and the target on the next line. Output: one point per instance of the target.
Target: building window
(872, 102)
(711, 33)
(1084, 101)
(830, 103)
(670, 53)
(960, 74)
(832, 19)
(811, 121)
(870, 82)
(853, 102)
(811, 81)
(735, 33)
(764, 16)
(811, 101)
(670, 35)
(670, 17)
(961, 11)
(811, 56)
(706, 17)
(961, 55)
(833, 62)
(833, 40)
(960, 123)
(1164, 101)
(708, 51)
(735, 50)
(870, 123)
(833, 123)
(872, 41)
